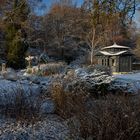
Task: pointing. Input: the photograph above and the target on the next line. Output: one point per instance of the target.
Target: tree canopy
(95, 22)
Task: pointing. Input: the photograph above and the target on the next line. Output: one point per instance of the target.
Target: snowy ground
(130, 82)
(131, 77)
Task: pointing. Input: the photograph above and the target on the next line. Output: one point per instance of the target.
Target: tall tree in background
(58, 21)
(62, 25)
(107, 19)
(15, 34)
(15, 26)
(137, 48)
(96, 22)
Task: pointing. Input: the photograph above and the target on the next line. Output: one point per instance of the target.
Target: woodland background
(65, 29)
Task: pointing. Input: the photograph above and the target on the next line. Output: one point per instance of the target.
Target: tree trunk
(92, 45)
(91, 57)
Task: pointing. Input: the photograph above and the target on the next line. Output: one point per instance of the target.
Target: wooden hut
(118, 58)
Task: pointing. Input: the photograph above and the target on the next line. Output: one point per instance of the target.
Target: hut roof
(105, 53)
(112, 54)
(115, 46)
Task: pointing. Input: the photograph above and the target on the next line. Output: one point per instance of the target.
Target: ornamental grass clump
(104, 118)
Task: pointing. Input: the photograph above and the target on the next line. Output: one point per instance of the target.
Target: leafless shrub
(100, 68)
(53, 68)
(106, 118)
(23, 108)
(66, 100)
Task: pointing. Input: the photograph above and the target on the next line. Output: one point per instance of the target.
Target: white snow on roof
(115, 46)
(112, 54)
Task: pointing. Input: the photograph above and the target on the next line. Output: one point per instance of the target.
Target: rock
(10, 74)
(48, 107)
(27, 74)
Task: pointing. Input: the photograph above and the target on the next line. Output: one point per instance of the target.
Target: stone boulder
(47, 107)
(10, 74)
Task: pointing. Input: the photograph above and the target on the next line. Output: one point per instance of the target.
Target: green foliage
(16, 35)
(16, 54)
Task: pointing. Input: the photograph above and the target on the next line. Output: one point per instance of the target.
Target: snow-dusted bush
(52, 68)
(111, 117)
(47, 69)
(47, 107)
(78, 85)
(88, 80)
(100, 68)
(18, 98)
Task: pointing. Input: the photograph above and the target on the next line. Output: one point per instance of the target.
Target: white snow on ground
(130, 82)
(131, 77)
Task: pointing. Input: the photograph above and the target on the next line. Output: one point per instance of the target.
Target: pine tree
(16, 35)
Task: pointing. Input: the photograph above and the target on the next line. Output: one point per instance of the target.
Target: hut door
(113, 67)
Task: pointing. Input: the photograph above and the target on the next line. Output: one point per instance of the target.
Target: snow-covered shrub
(89, 81)
(85, 81)
(78, 62)
(99, 68)
(22, 108)
(47, 107)
(19, 99)
(77, 86)
(53, 68)
(105, 117)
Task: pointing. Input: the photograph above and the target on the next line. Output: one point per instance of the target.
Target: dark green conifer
(15, 34)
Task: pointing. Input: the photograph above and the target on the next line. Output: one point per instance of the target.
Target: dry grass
(107, 118)
(65, 100)
(53, 68)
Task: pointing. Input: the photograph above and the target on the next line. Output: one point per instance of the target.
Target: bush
(100, 68)
(53, 68)
(22, 108)
(109, 117)
(65, 100)
(16, 54)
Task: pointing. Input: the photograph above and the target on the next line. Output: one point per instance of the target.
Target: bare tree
(106, 18)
